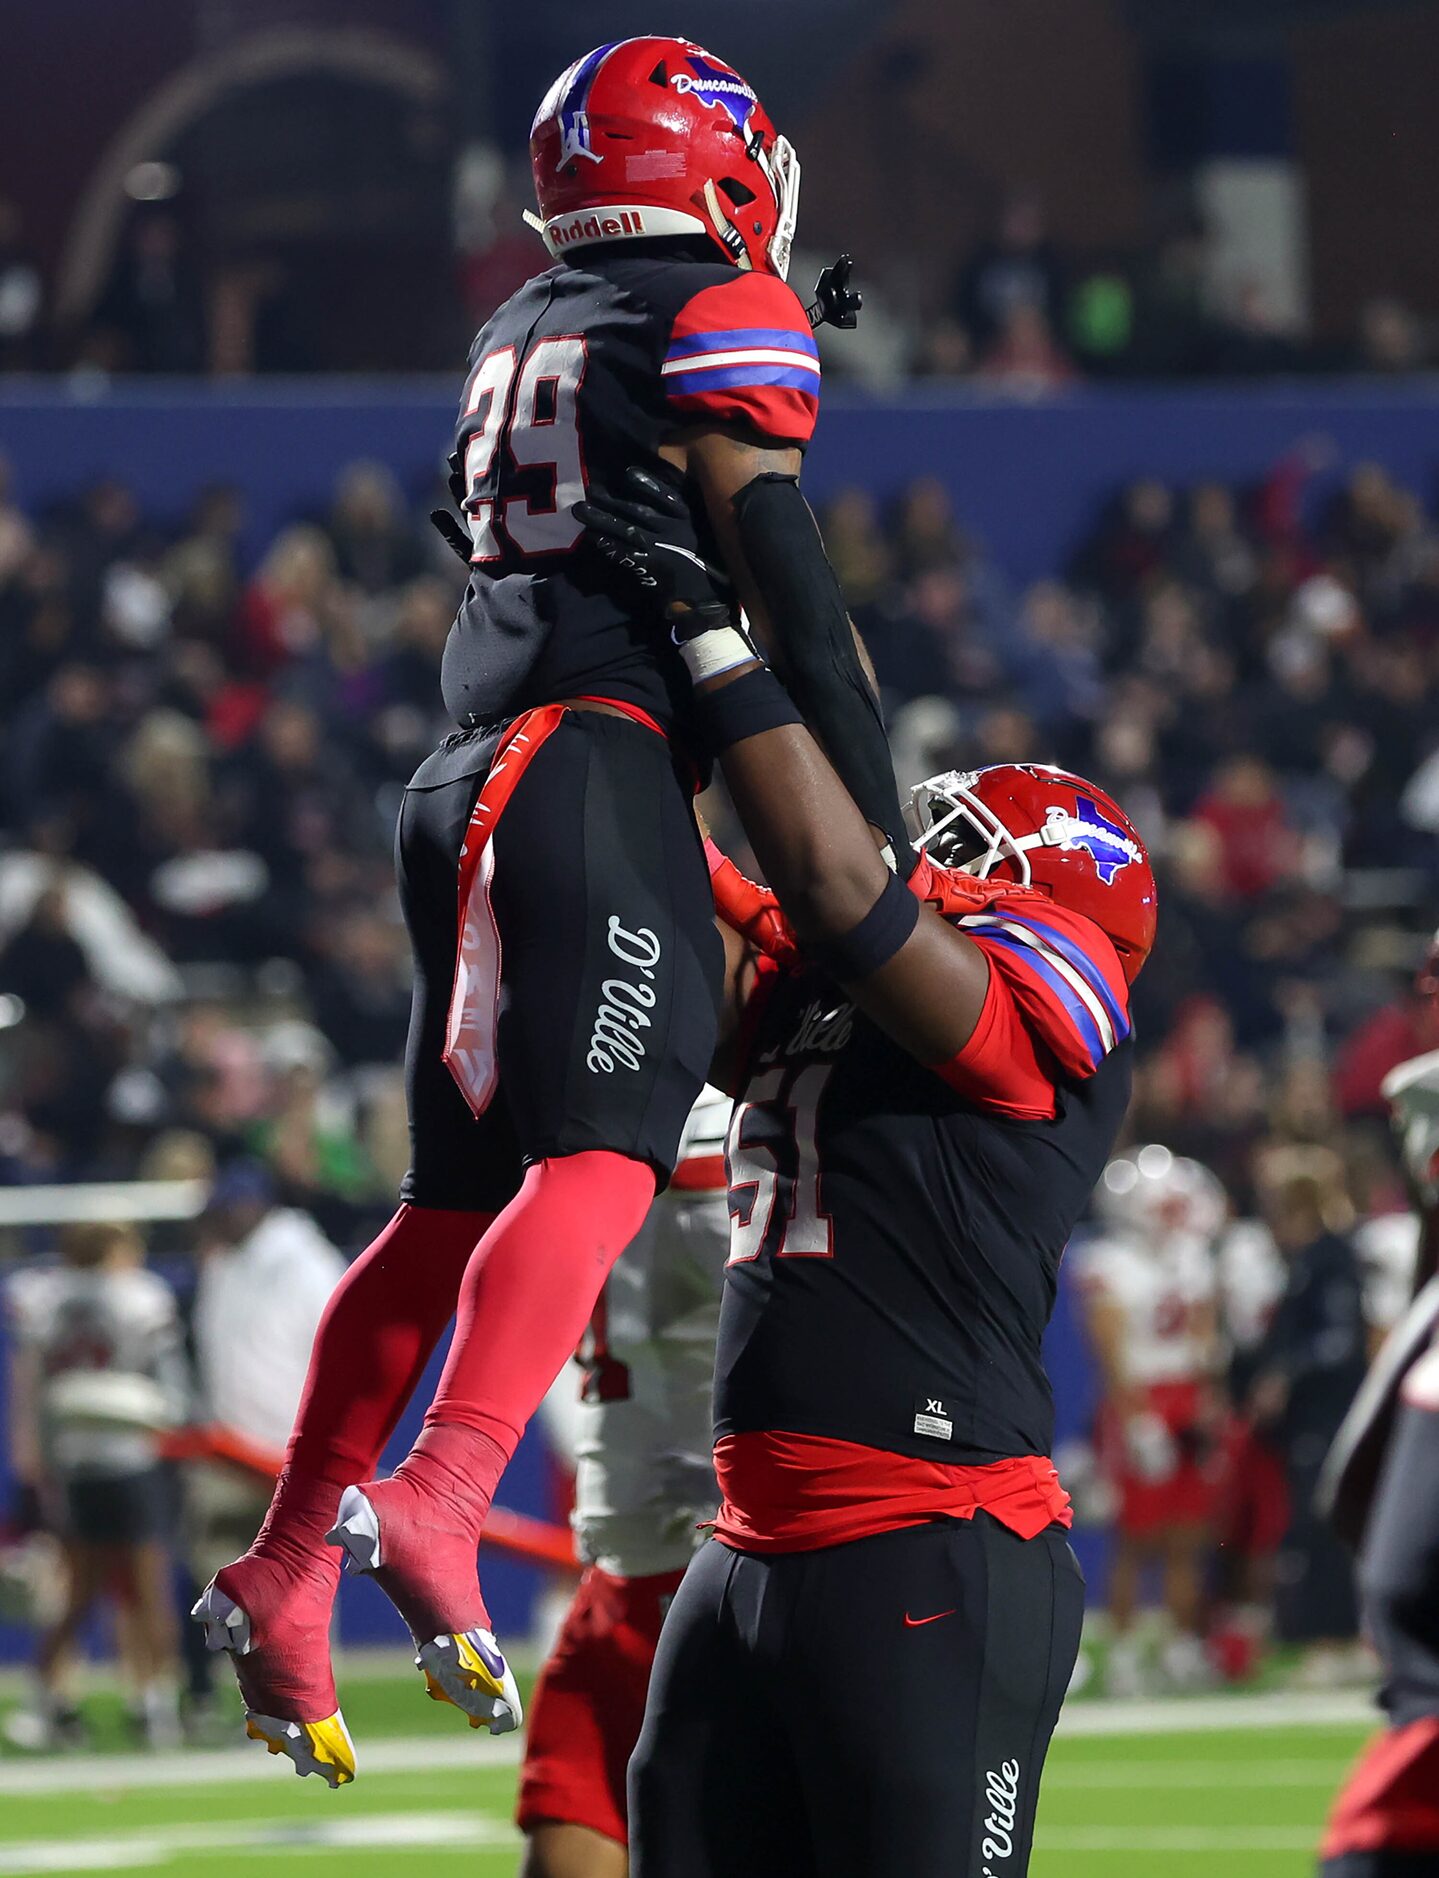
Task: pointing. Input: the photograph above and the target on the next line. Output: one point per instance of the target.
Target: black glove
(836, 303)
(646, 536)
(453, 532)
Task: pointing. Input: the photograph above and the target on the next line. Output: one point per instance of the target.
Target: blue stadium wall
(1027, 479)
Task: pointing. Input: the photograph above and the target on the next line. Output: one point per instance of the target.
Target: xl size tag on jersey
(931, 1417)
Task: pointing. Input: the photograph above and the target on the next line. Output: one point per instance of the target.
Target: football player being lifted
(861, 1671)
(566, 964)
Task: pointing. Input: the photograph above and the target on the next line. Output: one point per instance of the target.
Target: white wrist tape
(712, 653)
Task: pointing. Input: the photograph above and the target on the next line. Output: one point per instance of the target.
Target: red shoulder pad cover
(743, 353)
(1057, 1004)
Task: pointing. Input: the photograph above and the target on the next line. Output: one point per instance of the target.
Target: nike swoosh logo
(917, 1623)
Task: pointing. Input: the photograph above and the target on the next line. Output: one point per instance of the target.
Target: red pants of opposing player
(589, 1702)
(1389, 1805)
(1183, 1496)
(1252, 1510)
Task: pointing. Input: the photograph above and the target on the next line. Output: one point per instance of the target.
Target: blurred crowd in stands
(1025, 316)
(202, 963)
(199, 941)
(1254, 677)
(200, 781)
(1022, 315)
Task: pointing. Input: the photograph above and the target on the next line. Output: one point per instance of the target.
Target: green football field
(1238, 1786)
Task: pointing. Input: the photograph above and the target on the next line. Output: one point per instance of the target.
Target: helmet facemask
(957, 830)
(780, 167)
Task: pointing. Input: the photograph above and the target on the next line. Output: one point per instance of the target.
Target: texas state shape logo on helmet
(1089, 828)
(717, 86)
(656, 137)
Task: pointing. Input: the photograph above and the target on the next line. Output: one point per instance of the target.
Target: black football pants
(602, 903)
(874, 1710)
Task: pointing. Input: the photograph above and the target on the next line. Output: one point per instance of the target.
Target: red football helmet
(655, 136)
(1044, 828)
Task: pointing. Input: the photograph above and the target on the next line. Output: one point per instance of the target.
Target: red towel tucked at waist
(792, 1493)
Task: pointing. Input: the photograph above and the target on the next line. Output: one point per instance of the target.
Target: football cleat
(465, 1668)
(322, 1748)
(357, 1533)
(315, 1747)
(468, 1670)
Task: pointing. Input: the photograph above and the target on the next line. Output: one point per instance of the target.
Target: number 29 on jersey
(529, 420)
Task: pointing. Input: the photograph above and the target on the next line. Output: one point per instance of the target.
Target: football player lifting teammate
(567, 967)
(861, 1670)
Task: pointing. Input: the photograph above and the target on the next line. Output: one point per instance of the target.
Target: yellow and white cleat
(470, 1672)
(465, 1668)
(322, 1748)
(315, 1747)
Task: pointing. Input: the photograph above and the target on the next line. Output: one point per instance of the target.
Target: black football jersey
(896, 1246)
(585, 371)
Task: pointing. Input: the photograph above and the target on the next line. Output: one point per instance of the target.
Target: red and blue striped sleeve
(1064, 974)
(742, 353)
(1057, 1005)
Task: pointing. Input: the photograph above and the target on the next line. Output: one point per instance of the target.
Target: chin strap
(725, 229)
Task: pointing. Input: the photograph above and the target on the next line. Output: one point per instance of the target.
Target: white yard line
(163, 1845)
(1214, 1839)
(1128, 1774)
(1281, 1708)
(425, 1832)
(110, 1773)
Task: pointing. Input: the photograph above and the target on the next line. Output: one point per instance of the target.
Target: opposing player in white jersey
(644, 1481)
(98, 1375)
(1150, 1304)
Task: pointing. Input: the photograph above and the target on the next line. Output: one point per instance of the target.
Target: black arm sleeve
(820, 665)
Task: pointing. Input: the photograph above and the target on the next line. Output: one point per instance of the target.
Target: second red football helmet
(650, 137)
(1045, 828)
